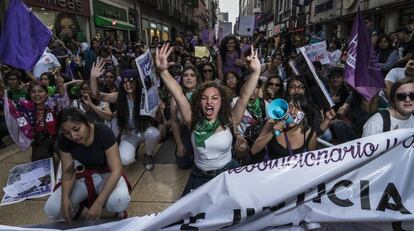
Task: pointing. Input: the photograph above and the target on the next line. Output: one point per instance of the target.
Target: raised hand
(161, 57)
(97, 69)
(253, 61)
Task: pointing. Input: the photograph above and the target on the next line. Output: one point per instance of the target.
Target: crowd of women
(87, 107)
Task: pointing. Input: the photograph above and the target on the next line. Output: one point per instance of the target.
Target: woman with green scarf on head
(209, 117)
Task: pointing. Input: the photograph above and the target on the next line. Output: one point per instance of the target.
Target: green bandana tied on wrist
(204, 130)
(255, 108)
(188, 95)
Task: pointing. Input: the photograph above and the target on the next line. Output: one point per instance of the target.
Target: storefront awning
(113, 23)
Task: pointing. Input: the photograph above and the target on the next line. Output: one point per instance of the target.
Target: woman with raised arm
(209, 118)
(134, 127)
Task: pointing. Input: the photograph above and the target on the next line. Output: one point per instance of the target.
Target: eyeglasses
(207, 71)
(293, 87)
(403, 96)
(273, 84)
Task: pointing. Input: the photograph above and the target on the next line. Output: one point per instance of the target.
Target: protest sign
(201, 52)
(225, 28)
(31, 180)
(317, 52)
(301, 65)
(205, 35)
(150, 83)
(246, 25)
(365, 184)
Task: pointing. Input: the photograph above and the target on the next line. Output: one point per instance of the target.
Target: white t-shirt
(395, 74)
(217, 151)
(374, 125)
(247, 118)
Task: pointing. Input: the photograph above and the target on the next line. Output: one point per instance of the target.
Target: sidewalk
(152, 191)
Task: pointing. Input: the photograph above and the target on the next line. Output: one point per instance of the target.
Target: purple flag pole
(362, 70)
(24, 37)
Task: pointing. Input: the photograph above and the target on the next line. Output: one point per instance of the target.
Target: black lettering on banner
(336, 200)
(300, 199)
(338, 154)
(391, 192)
(358, 151)
(389, 145)
(397, 226)
(371, 148)
(277, 207)
(236, 218)
(364, 195)
(175, 223)
(321, 192)
(193, 220)
(408, 144)
(299, 161)
(250, 212)
(312, 157)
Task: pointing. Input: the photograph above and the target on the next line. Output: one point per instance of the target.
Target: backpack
(386, 117)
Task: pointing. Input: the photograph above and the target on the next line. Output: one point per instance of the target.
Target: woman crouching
(98, 180)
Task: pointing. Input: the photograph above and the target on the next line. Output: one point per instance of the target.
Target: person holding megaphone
(289, 130)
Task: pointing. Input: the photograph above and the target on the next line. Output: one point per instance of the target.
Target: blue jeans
(187, 160)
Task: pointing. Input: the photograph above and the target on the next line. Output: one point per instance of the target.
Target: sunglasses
(273, 84)
(129, 80)
(403, 96)
(207, 71)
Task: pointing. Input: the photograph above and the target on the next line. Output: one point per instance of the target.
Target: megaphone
(278, 110)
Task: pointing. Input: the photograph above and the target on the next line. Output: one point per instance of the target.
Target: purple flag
(362, 71)
(205, 34)
(24, 37)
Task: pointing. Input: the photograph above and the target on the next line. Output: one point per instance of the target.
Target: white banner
(246, 25)
(150, 83)
(317, 52)
(225, 28)
(366, 184)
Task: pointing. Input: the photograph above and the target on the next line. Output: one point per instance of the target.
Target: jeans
(187, 160)
(199, 177)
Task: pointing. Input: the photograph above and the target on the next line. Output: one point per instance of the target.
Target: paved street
(152, 191)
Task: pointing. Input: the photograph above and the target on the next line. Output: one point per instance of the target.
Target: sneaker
(149, 162)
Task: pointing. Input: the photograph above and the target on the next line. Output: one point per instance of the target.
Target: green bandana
(255, 108)
(51, 90)
(189, 95)
(204, 130)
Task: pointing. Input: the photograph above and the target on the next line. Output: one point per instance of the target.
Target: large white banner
(366, 184)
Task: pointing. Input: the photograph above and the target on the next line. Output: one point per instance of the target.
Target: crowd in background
(101, 80)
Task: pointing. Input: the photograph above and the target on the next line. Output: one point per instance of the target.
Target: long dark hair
(72, 114)
(50, 77)
(223, 47)
(214, 77)
(197, 111)
(123, 109)
(300, 101)
(195, 70)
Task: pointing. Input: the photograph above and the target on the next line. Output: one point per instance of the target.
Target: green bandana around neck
(188, 95)
(255, 108)
(204, 130)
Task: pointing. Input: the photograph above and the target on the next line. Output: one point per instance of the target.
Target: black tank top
(275, 150)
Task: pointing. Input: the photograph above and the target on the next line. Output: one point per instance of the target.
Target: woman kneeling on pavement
(98, 179)
(209, 119)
